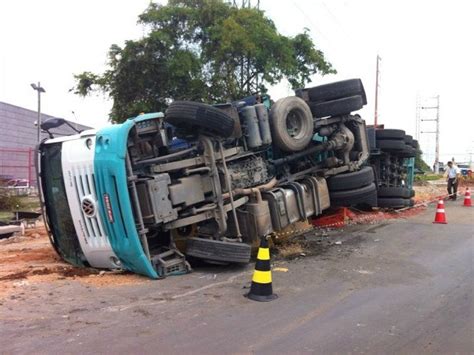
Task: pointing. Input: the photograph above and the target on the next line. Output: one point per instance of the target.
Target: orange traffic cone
(467, 198)
(440, 216)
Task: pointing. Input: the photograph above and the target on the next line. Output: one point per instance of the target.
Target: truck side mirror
(52, 123)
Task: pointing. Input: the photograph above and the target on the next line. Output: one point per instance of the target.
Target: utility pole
(437, 136)
(39, 89)
(377, 73)
(436, 132)
(418, 116)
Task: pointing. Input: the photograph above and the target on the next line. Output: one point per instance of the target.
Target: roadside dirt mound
(30, 259)
(429, 191)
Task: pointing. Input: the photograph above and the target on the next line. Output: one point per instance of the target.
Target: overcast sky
(426, 49)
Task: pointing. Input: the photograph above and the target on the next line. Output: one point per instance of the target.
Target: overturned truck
(202, 181)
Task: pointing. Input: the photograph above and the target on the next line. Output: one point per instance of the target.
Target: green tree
(201, 50)
(420, 163)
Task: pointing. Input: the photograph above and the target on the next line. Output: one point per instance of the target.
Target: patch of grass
(10, 204)
(29, 202)
(290, 250)
(5, 216)
(428, 177)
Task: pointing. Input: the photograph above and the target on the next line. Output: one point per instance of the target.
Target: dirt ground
(30, 259)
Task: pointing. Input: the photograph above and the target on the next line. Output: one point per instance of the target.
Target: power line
(305, 15)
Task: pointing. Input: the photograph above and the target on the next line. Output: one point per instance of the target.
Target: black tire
(408, 139)
(390, 144)
(392, 202)
(402, 192)
(407, 152)
(194, 116)
(302, 94)
(337, 107)
(415, 144)
(291, 112)
(337, 90)
(366, 195)
(214, 250)
(350, 181)
(412, 193)
(390, 134)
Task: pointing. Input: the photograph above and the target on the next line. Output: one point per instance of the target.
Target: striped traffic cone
(261, 289)
(467, 198)
(440, 216)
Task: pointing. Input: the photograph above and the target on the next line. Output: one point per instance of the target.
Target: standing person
(452, 177)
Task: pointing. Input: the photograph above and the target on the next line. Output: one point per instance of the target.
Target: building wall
(18, 140)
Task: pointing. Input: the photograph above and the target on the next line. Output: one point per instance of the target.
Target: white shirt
(452, 172)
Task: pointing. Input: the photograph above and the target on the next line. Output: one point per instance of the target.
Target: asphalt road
(403, 286)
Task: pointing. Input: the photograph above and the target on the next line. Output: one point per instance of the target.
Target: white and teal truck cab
(200, 181)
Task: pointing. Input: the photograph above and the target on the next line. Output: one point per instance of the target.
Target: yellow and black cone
(261, 289)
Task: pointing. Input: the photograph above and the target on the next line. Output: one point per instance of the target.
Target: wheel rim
(296, 124)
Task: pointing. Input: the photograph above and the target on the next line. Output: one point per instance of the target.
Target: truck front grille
(83, 180)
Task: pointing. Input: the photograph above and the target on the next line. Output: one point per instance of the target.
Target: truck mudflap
(115, 201)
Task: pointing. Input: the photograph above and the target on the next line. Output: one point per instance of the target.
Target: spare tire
(291, 124)
(353, 180)
(215, 250)
(194, 116)
(390, 134)
(337, 107)
(337, 90)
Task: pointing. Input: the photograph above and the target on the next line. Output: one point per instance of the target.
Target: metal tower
(249, 76)
(420, 120)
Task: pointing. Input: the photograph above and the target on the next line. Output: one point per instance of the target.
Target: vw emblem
(88, 206)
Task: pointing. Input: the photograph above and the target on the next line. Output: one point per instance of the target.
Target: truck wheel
(408, 139)
(390, 144)
(392, 202)
(353, 180)
(390, 134)
(393, 191)
(337, 90)
(194, 116)
(407, 152)
(337, 107)
(291, 123)
(215, 250)
(415, 144)
(366, 195)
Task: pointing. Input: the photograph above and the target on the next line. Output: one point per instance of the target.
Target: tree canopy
(201, 50)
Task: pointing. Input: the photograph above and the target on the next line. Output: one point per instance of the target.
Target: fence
(18, 163)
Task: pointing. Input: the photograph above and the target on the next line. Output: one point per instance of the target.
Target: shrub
(9, 203)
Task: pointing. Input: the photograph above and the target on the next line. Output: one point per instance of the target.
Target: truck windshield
(56, 204)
